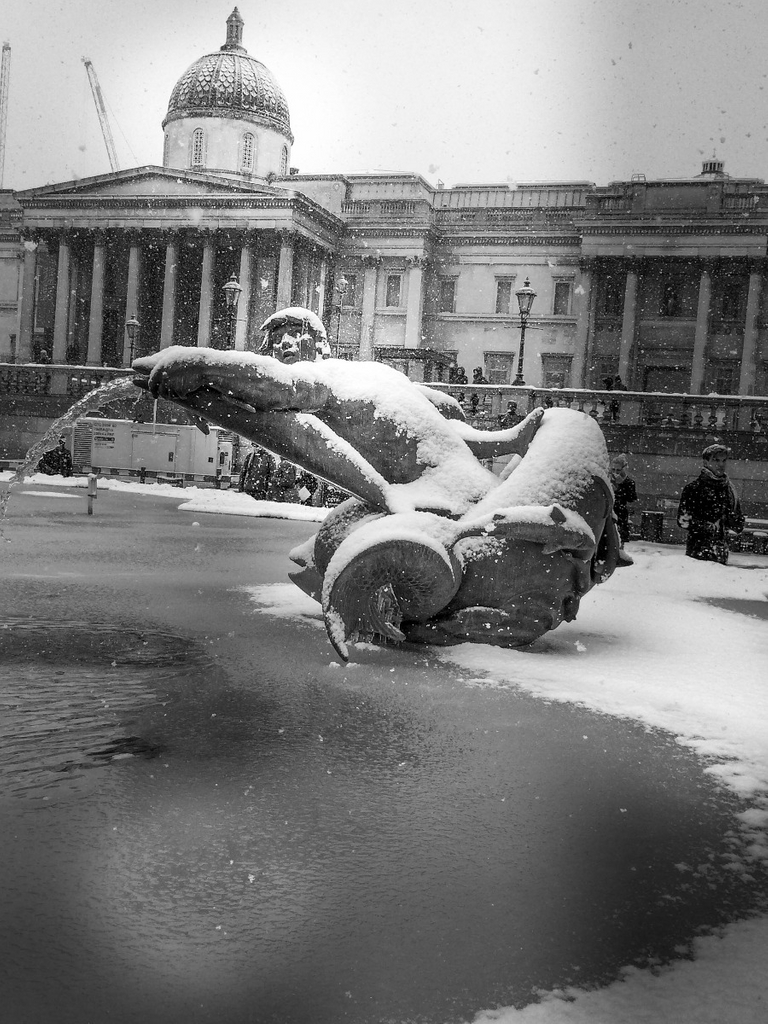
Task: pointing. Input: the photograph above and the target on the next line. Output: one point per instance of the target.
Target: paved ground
(207, 818)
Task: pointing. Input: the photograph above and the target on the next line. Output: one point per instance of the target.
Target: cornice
(506, 240)
(422, 231)
(210, 202)
(705, 228)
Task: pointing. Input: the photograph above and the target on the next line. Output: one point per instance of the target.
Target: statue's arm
(259, 381)
(300, 438)
(491, 444)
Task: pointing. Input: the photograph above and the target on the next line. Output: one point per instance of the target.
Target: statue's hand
(173, 373)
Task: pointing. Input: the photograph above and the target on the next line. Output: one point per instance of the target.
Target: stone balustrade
(45, 379)
(486, 406)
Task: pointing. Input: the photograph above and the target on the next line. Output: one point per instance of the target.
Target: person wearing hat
(709, 509)
(624, 494)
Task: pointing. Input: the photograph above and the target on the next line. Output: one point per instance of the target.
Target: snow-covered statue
(431, 546)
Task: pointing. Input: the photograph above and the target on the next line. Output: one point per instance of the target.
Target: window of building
(393, 290)
(670, 298)
(722, 377)
(555, 370)
(247, 150)
(284, 161)
(498, 367)
(561, 305)
(504, 286)
(447, 295)
(611, 297)
(669, 380)
(351, 296)
(602, 368)
(732, 300)
(197, 148)
(166, 148)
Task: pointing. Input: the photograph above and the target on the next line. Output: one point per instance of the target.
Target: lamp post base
(518, 382)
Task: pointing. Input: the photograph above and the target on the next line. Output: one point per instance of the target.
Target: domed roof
(230, 83)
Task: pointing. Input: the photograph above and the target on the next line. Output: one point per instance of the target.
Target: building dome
(230, 84)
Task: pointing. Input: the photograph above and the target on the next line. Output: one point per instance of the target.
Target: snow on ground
(192, 499)
(651, 644)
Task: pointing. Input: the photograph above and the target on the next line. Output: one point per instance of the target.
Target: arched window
(247, 153)
(284, 162)
(166, 148)
(197, 148)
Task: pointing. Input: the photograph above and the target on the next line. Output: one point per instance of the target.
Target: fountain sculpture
(431, 546)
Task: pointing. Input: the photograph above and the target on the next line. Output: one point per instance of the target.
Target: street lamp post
(341, 287)
(232, 291)
(525, 297)
(132, 326)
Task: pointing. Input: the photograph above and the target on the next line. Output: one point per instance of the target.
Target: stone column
(132, 293)
(415, 306)
(747, 372)
(368, 312)
(96, 319)
(583, 297)
(27, 310)
(628, 321)
(244, 302)
(285, 270)
(206, 294)
(702, 330)
(61, 313)
(169, 291)
(322, 283)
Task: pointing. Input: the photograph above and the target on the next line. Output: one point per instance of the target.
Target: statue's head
(294, 335)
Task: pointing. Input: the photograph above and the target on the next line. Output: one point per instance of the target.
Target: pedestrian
(256, 473)
(511, 417)
(478, 377)
(57, 461)
(607, 383)
(284, 482)
(461, 376)
(624, 494)
(709, 509)
(618, 384)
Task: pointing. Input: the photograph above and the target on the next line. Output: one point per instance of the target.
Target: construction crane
(101, 110)
(5, 75)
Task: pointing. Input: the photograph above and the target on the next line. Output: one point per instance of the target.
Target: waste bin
(652, 526)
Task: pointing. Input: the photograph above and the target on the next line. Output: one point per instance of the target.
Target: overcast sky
(485, 90)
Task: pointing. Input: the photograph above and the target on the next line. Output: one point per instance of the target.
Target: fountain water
(121, 387)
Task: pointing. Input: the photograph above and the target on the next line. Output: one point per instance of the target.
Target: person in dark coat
(709, 509)
(624, 494)
(256, 473)
(57, 461)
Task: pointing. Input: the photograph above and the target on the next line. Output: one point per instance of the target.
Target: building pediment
(147, 181)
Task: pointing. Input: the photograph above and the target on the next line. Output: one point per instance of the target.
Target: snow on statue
(431, 546)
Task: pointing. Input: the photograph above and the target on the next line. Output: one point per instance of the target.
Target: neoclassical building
(661, 282)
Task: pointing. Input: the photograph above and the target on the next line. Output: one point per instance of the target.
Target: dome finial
(234, 33)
